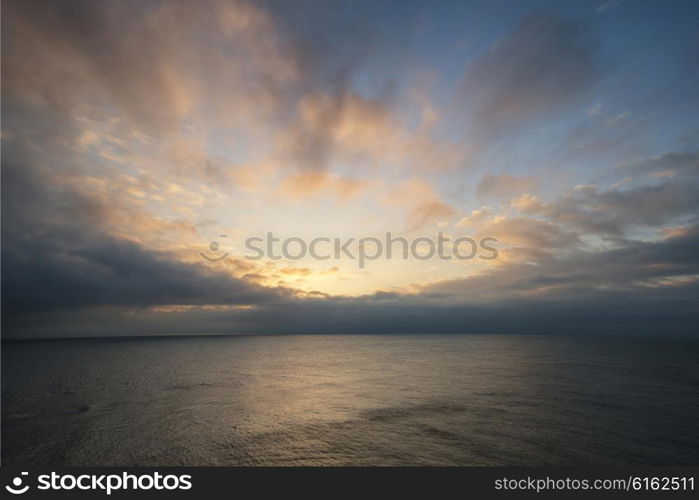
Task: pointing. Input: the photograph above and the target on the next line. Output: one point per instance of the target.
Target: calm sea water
(350, 400)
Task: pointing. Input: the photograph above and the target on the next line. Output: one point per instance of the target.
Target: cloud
(614, 212)
(347, 124)
(306, 271)
(545, 64)
(148, 59)
(607, 4)
(527, 204)
(504, 186)
(586, 219)
(640, 269)
(520, 299)
(422, 201)
(477, 217)
(669, 163)
(410, 192)
(58, 252)
(112, 273)
(530, 233)
(311, 183)
(428, 212)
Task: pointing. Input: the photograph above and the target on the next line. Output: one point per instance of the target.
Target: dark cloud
(667, 312)
(55, 254)
(40, 275)
(639, 268)
(614, 212)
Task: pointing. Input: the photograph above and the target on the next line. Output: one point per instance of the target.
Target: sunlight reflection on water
(350, 400)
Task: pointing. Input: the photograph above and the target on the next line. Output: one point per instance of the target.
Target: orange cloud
(305, 184)
(428, 212)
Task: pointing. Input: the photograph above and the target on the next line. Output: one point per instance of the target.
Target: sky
(136, 133)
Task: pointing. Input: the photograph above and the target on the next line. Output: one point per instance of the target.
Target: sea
(358, 400)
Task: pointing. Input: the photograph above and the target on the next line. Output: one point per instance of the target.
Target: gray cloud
(665, 312)
(504, 186)
(55, 254)
(614, 212)
(643, 268)
(668, 164)
(104, 271)
(542, 66)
